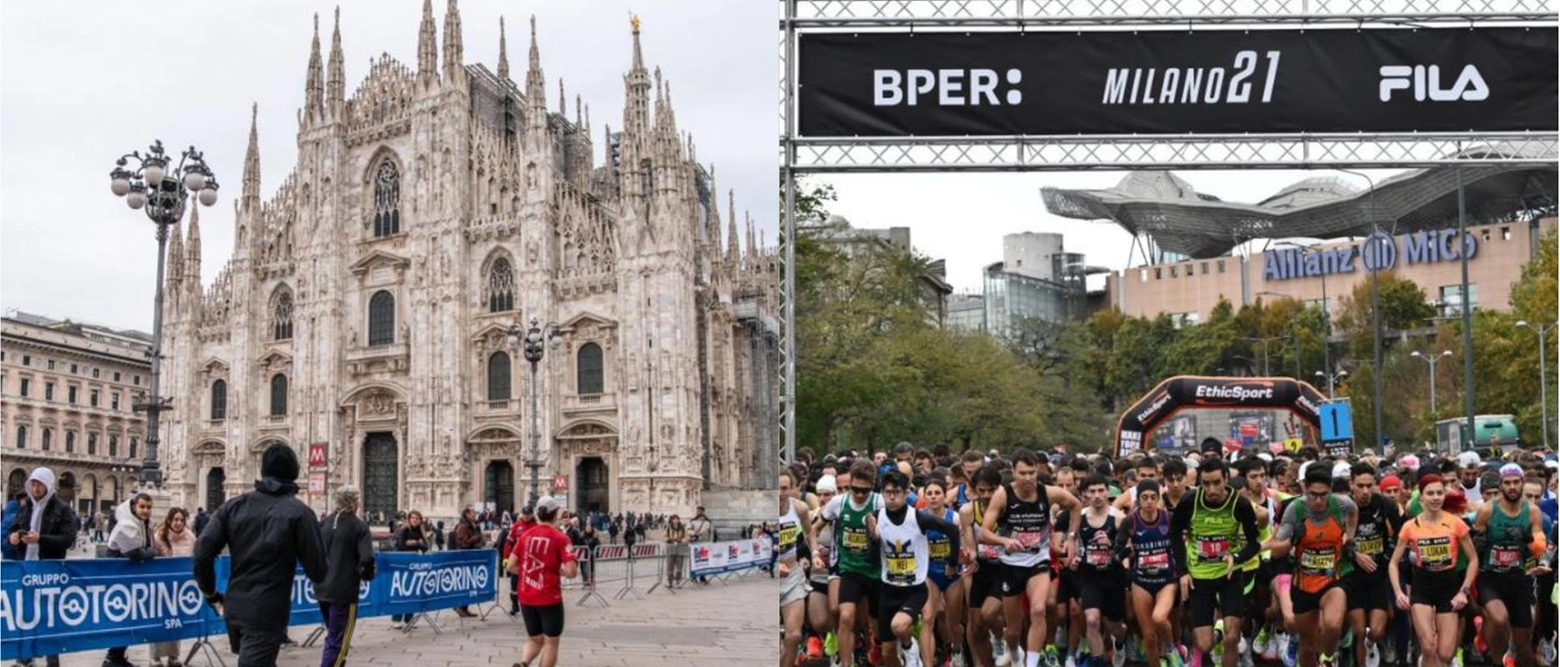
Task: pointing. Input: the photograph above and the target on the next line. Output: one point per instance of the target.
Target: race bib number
(1097, 557)
(855, 539)
(1370, 546)
(1154, 561)
(1212, 549)
(1435, 553)
(940, 550)
(788, 536)
(1506, 557)
(1318, 561)
(901, 568)
(989, 551)
(1029, 539)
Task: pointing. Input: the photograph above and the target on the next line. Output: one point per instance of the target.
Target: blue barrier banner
(53, 606)
(56, 606)
(408, 583)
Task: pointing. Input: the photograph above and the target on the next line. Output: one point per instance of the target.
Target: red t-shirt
(516, 529)
(543, 550)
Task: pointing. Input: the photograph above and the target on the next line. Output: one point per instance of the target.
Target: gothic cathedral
(373, 303)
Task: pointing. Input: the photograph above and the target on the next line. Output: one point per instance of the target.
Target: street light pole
(532, 346)
(1332, 378)
(1432, 360)
(1543, 371)
(162, 193)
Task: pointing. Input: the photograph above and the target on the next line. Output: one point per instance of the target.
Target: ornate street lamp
(162, 193)
(533, 344)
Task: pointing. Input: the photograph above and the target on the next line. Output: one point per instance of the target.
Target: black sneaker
(117, 662)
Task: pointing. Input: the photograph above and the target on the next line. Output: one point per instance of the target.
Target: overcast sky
(962, 217)
(81, 84)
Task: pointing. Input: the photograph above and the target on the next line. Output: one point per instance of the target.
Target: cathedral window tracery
(498, 374)
(501, 286)
(278, 395)
(219, 400)
(588, 370)
(381, 318)
(387, 199)
(281, 314)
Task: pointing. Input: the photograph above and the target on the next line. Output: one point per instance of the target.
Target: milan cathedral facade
(369, 301)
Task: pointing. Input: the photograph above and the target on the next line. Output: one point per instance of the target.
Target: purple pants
(339, 619)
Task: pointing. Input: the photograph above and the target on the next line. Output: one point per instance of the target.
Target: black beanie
(279, 462)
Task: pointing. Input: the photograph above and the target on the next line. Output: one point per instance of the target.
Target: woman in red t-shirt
(541, 555)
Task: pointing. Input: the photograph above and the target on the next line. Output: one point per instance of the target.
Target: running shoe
(1217, 654)
(1372, 654)
(1550, 653)
(1457, 660)
(874, 652)
(1051, 656)
(1071, 661)
(831, 645)
(1197, 658)
(814, 647)
(1327, 660)
(1292, 652)
(1510, 660)
(999, 653)
(910, 656)
(1478, 635)
(1261, 644)
(1118, 652)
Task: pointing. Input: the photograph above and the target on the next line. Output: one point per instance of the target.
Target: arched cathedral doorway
(594, 495)
(498, 486)
(380, 472)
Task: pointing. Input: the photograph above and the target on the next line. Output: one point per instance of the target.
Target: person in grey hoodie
(132, 538)
(44, 528)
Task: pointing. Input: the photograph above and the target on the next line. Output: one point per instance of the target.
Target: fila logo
(1426, 83)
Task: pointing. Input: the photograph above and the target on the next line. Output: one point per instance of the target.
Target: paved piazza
(700, 627)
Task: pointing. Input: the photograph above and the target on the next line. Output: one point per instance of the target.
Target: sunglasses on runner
(860, 490)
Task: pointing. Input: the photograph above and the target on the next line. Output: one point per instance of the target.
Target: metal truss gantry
(800, 156)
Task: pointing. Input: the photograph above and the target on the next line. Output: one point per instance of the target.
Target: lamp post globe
(147, 184)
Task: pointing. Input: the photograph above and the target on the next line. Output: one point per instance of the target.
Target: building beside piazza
(367, 300)
(66, 391)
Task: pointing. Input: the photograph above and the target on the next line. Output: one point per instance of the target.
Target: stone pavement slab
(714, 626)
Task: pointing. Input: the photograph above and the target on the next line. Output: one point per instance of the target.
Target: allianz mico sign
(1379, 252)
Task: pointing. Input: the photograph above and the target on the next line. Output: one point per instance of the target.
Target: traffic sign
(1337, 424)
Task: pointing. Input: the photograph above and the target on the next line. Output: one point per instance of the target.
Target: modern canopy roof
(1182, 220)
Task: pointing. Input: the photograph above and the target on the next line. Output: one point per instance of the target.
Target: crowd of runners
(1023, 559)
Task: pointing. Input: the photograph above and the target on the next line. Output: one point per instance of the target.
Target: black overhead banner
(1210, 81)
(1190, 392)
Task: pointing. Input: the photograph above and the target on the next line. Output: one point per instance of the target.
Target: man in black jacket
(349, 561)
(44, 528)
(266, 531)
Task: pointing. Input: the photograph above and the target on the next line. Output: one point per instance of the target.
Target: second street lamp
(534, 343)
(162, 193)
(1432, 360)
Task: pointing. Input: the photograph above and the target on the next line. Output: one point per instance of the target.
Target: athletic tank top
(825, 541)
(790, 530)
(1264, 533)
(940, 547)
(1320, 549)
(1151, 547)
(1098, 544)
(852, 541)
(1214, 534)
(905, 554)
(1030, 524)
(1508, 540)
(987, 552)
(1371, 534)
